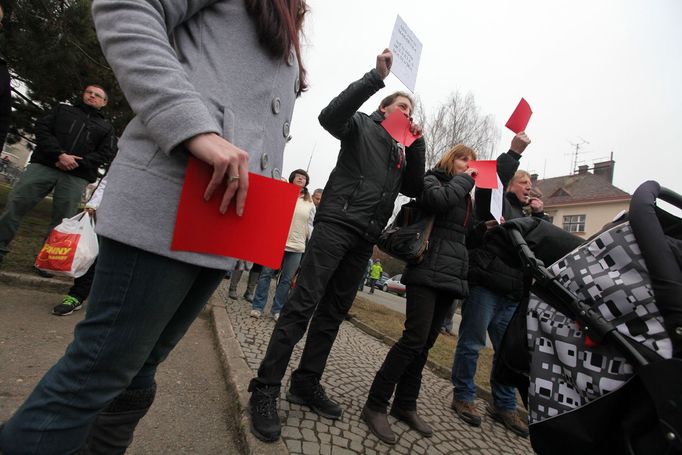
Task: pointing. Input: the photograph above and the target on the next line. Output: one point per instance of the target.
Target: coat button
(276, 104)
(285, 129)
(297, 85)
(276, 174)
(264, 159)
(678, 331)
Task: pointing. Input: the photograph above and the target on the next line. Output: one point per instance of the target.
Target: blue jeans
(482, 310)
(290, 263)
(140, 306)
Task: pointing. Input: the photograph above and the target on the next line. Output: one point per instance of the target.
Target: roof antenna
(576, 154)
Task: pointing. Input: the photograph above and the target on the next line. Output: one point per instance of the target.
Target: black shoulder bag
(407, 237)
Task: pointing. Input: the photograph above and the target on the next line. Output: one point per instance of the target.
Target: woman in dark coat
(432, 285)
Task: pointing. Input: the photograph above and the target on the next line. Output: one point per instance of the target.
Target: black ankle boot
(112, 432)
(311, 393)
(265, 424)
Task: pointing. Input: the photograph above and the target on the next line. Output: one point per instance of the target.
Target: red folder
(487, 173)
(259, 235)
(398, 126)
(520, 117)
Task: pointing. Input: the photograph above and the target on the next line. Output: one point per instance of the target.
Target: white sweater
(301, 226)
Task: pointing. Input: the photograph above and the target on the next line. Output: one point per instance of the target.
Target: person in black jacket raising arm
(495, 292)
(72, 143)
(372, 168)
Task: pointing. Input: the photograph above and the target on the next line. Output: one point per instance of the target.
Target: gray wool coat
(186, 67)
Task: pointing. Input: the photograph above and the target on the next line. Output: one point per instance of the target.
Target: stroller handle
(670, 197)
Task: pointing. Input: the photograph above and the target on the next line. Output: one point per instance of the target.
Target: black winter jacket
(445, 264)
(5, 101)
(79, 130)
(372, 168)
(486, 267)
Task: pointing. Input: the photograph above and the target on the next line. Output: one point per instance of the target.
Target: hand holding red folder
(259, 235)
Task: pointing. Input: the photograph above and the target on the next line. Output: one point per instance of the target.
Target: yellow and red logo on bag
(58, 252)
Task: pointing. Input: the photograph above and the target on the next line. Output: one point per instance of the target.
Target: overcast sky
(607, 72)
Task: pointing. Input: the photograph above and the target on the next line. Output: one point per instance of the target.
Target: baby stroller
(596, 347)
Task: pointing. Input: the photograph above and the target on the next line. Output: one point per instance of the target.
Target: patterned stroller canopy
(595, 349)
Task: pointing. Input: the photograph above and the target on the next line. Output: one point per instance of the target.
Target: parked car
(394, 285)
(380, 282)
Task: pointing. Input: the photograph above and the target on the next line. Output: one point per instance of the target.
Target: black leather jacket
(372, 168)
(78, 130)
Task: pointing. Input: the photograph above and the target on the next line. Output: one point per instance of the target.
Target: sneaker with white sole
(255, 314)
(68, 306)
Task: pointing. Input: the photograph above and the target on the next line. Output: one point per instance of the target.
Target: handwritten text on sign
(407, 50)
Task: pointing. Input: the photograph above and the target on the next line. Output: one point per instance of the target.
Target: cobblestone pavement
(350, 370)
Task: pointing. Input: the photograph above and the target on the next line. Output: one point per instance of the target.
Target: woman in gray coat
(215, 79)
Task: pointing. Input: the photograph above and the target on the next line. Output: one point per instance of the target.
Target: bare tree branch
(457, 120)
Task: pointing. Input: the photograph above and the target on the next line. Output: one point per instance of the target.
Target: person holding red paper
(214, 79)
(494, 294)
(372, 168)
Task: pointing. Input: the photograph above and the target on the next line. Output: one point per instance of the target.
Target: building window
(574, 223)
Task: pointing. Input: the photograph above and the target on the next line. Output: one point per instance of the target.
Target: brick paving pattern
(350, 370)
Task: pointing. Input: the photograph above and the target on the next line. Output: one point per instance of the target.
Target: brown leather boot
(466, 410)
(510, 419)
(412, 419)
(378, 425)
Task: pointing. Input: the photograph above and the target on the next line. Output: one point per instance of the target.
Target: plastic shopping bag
(71, 247)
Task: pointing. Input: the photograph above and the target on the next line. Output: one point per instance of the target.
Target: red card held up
(486, 176)
(259, 235)
(398, 126)
(520, 117)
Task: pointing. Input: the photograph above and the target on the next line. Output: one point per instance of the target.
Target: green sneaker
(68, 306)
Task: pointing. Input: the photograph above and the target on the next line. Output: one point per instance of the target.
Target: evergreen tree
(52, 54)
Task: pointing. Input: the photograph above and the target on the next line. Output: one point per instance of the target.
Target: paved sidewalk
(193, 412)
(354, 360)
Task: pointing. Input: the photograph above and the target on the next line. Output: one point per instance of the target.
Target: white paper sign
(407, 50)
(496, 199)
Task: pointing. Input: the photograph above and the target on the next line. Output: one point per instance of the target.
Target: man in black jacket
(73, 142)
(495, 289)
(372, 168)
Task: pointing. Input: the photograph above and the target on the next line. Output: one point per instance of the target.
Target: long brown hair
(279, 24)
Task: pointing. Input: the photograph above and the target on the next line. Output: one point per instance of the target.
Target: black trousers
(81, 285)
(402, 369)
(334, 262)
